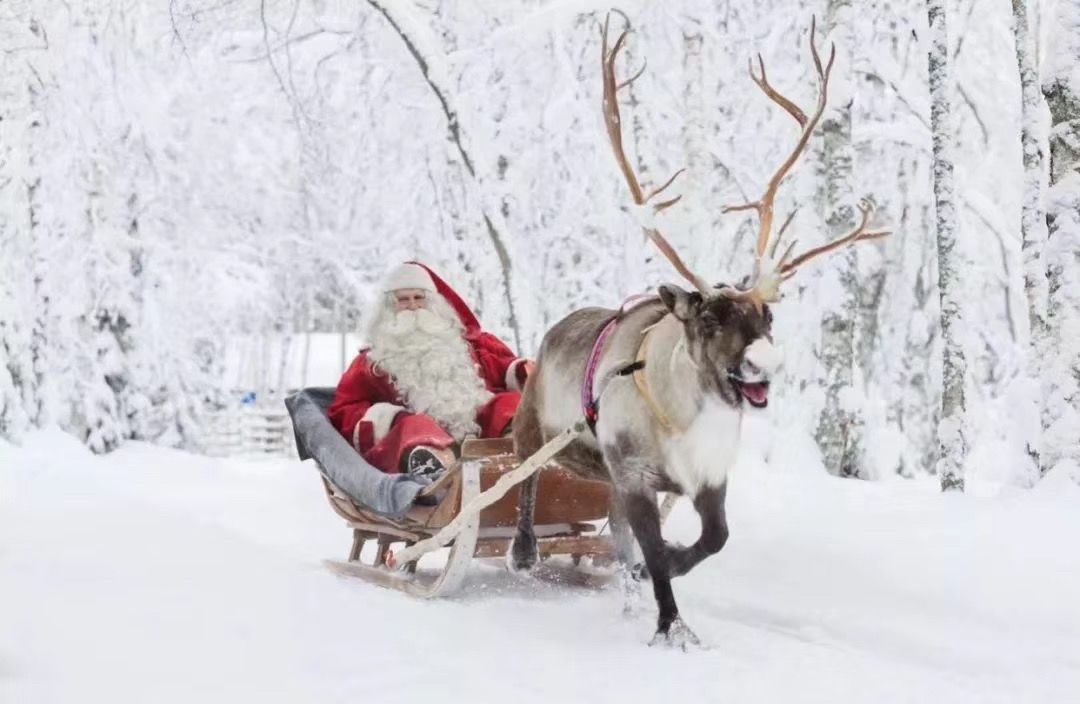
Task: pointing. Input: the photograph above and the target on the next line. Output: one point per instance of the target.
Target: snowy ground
(156, 576)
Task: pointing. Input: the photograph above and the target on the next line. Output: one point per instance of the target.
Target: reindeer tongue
(757, 394)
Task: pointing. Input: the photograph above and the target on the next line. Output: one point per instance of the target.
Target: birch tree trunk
(14, 362)
(951, 430)
(1032, 227)
(839, 428)
(39, 242)
(1061, 375)
(694, 142)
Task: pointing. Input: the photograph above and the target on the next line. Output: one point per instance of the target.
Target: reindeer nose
(764, 356)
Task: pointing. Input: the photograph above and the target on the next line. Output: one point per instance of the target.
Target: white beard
(431, 365)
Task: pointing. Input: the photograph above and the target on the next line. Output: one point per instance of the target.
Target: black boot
(424, 464)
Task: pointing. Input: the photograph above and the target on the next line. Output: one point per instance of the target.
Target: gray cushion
(316, 438)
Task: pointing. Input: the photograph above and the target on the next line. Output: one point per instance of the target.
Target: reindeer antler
(770, 272)
(859, 234)
(613, 123)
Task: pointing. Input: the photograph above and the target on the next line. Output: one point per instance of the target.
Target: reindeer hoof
(634, 603)
(639, 572)
(523, 554)
(677, 637)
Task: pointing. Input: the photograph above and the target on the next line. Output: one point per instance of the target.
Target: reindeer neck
(670, 374)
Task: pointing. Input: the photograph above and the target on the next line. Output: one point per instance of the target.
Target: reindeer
(698, 359)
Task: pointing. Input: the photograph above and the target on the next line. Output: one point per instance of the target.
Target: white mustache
(422, 320)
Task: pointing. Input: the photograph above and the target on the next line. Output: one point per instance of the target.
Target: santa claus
(430, 378)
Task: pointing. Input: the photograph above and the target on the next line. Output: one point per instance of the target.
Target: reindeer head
(727, 328)
(728, 341)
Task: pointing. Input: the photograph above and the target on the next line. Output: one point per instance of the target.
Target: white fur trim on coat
(511, 375)
(381, 416)
(356, 436)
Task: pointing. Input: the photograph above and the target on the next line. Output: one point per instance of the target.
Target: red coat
(362, 386)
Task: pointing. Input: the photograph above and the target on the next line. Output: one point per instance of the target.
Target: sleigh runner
(382, 509)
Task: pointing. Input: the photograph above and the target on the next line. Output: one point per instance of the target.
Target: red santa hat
(417, 275)
(409, 275)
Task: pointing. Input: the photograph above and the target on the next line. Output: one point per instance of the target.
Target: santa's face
(414, 327)
(410, 299)
(419, 342)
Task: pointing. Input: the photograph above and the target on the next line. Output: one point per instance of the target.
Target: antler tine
(823, 74)
(776, 96)
(657, 191)
(610, 106)
(769, 271)
(613, 124)
(629, 81)
(764, 205)
(859, 234)
(780, 234)
(665, 204)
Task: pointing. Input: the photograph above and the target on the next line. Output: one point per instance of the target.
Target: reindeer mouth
(756, 393)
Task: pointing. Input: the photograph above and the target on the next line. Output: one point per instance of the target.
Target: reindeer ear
(683, 305)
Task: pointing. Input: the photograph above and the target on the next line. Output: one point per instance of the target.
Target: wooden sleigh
(567, 510)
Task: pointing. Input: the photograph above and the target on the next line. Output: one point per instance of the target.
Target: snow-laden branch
(431, 60)
(535, 26)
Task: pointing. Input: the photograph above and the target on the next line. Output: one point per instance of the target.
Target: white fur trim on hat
(381, 416)
(409, 276)
(511, 375)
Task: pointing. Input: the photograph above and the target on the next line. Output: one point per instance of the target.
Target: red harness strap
(590, 404)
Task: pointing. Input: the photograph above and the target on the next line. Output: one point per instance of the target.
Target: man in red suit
(429, 378)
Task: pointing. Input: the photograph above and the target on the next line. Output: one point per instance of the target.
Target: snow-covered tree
(951, 430)
(185, 173)
(1033, 228)
(15, 363)
(839, 430)
(432, 63)
(1061, 88)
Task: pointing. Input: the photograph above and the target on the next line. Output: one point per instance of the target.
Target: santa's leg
(410, 431)
(495, 417)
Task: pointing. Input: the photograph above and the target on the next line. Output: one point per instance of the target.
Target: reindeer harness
(590, 401)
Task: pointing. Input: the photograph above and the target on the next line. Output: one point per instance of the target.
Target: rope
(643, 386)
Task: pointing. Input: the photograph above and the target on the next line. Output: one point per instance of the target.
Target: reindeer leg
(524, 553)
(630, 570)
(528, 438)
(644, 517)
(709, 504)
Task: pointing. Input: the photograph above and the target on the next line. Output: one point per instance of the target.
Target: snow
(165, 110)
(154, 575)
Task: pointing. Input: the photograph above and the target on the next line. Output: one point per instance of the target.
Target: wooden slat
(357, 545)
(562, 497)
(548, 530)
(590, 546)
(385, 530)
(475, 448)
